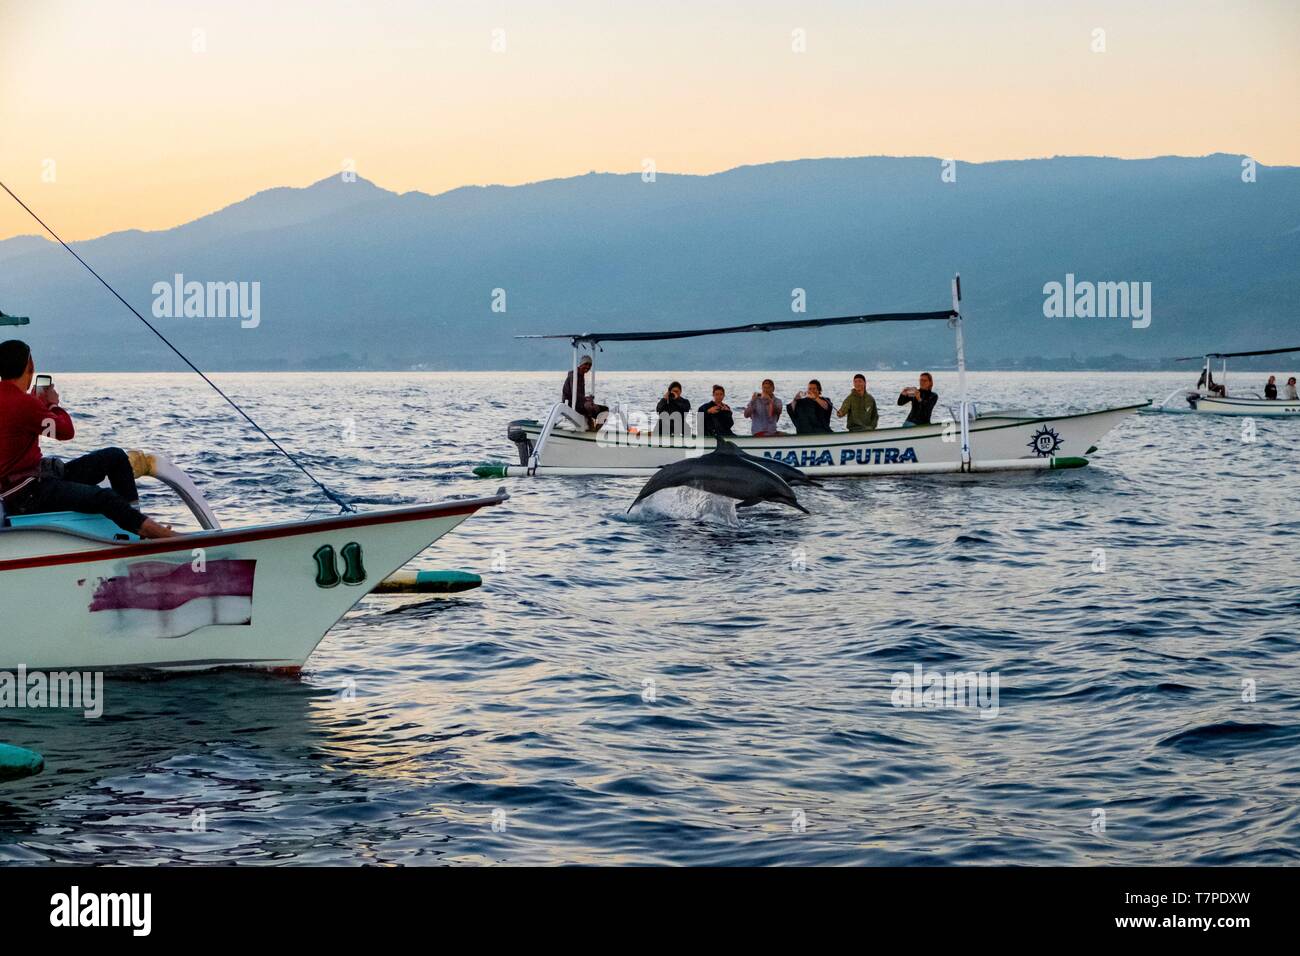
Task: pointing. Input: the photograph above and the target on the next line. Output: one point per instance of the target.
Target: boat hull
(998, 442)
(260, 597)
(1254, 407)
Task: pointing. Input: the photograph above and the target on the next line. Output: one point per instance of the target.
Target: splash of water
(686, 504)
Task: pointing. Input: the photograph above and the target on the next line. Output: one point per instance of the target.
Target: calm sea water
(767, 642)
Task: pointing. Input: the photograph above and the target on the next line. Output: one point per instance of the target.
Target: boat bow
(260, 596)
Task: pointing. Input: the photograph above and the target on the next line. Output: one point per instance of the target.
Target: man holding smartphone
(33, 484)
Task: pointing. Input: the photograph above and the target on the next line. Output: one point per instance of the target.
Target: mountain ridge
(353, 275)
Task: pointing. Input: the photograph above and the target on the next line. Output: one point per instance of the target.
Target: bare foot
(152, 529)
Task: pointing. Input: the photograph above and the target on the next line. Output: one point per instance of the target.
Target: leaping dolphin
(739, 476)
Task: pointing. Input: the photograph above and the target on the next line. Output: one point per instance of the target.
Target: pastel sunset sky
(149, 113)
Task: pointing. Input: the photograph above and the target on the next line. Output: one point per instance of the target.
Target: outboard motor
(515, 432)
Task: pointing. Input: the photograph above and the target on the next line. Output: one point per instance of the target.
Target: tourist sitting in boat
(1290, 390)
(921, 399)
(718, 420)
(1270, 388)
(860, 407)
(1212, 388)
(764, 410)
(33, 484)
(672, 411)
(585, 405)
(810, 412)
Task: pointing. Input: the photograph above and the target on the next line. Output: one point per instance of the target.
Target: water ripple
(689, 684)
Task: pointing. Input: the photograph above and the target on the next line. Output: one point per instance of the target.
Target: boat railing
(617, 419)
(560, 412)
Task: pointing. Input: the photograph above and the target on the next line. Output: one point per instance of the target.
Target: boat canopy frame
(579, 340)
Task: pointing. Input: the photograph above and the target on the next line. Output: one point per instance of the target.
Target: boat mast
(961, 373)
(573, 382)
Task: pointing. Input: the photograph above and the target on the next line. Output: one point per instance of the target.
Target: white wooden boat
(80, 594)
(997, 442)
(972, 441)
(1203, 400)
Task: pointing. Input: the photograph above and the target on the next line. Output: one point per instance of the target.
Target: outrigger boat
(80, 593)
(973, 441)
(1206, 402)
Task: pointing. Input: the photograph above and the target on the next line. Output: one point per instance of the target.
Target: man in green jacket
(860, 407)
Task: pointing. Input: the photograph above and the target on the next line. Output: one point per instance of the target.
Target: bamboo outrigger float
(973, 441)
(1206, 399)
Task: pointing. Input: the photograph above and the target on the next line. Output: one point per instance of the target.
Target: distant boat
(1212, 398)
(973, 441)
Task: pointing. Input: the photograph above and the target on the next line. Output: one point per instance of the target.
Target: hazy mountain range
(355, 276)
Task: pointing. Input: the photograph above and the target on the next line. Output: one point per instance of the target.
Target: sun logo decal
(1045, 442)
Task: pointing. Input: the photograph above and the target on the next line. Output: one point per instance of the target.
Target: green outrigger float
(16, 763)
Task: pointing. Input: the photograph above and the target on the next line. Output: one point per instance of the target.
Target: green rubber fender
(16, 763)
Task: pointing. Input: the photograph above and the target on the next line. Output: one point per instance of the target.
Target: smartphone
(44, 381)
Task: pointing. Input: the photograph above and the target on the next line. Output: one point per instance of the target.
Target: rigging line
(233, 404)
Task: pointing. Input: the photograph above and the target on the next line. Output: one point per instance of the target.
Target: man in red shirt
(32, 484)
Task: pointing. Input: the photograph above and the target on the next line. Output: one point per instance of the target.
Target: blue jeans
(78, 490)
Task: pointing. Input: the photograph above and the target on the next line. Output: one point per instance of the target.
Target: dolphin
(791, 474)
(738, 476)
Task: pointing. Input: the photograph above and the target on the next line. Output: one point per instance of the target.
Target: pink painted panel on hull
(162, 586)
